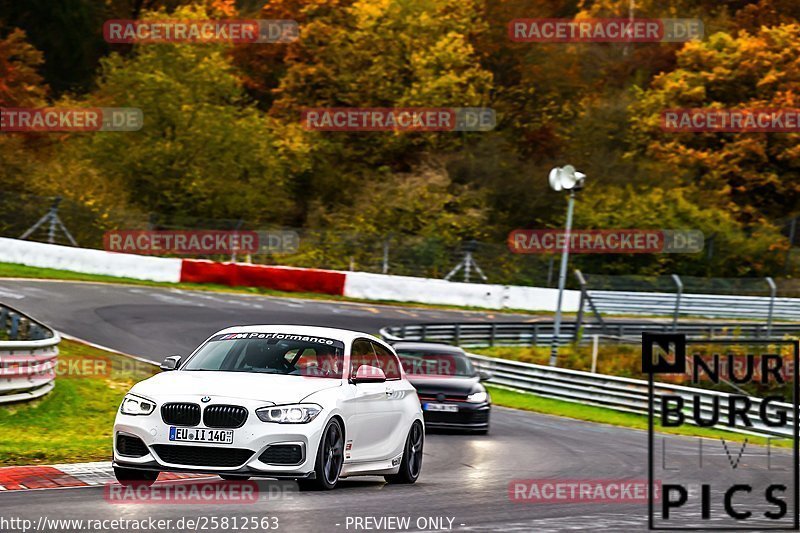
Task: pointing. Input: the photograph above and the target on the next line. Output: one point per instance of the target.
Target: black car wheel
(411, 465)
(330, 458)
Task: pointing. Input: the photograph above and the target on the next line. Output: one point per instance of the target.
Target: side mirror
(484, 375)
(171, 363)
(369, 374)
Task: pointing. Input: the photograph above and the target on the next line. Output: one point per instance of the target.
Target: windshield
(292, 355)
(427, 363)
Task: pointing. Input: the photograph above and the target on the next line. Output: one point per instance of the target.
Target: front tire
(330, 458)
(130, 476)
(411, 465)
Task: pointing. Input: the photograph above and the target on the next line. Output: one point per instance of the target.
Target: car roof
(431, 346)
(344, 335)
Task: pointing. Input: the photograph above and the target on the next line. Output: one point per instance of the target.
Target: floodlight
(566, 178)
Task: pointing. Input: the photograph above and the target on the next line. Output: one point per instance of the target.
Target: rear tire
(234, 477)
(330, 458)
(411, 465)
(130, 476)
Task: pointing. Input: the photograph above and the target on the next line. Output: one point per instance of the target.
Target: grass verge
(613, 359)
(590, 413)
(74, 422)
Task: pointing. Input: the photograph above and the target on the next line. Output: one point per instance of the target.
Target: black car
(448, 385)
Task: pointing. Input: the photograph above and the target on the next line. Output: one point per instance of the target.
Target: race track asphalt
(465, 478)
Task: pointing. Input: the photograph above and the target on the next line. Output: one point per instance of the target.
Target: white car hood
(251, 386)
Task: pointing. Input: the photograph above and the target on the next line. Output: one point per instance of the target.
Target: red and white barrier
(87, 261)
(272, 277)
(360, 285)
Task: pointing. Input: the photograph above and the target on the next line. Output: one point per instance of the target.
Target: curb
(13, 478)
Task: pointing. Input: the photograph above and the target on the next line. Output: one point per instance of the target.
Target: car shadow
(465, 432)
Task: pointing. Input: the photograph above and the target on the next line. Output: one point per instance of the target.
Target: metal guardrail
(680, 303)
(618, 393)
(28, 354)
(471, 334)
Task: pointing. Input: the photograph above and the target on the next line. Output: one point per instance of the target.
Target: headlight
(134, 405)
(478, 397)
(300, 413)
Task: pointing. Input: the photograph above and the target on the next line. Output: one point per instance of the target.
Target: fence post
(492, 333)
(679, 285)
(236, 228)
(579, 318)
(457, 336)
(385, 268)
(424, 332)
(535, 339)
(773, 289)
(595, 340)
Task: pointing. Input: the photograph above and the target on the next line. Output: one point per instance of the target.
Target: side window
(362, 354)
(387, 361)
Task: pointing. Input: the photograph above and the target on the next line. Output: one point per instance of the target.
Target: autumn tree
(756, 175)
(21, 85)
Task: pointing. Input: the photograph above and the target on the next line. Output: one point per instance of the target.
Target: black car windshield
(271, 356)
(431, 363)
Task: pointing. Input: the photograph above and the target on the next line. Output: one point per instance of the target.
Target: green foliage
(682, 209)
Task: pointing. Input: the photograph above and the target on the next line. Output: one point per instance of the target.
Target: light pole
(566, 178)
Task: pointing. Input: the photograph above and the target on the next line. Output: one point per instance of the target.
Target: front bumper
(154, 466)
(254, 437)
(470, 416)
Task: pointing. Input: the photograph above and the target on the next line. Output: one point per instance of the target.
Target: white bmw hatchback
(295, 402)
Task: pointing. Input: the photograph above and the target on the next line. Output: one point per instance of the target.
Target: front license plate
(217, 436)
(442, 407)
